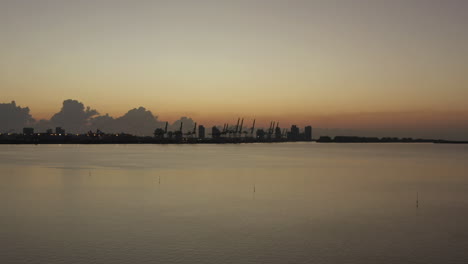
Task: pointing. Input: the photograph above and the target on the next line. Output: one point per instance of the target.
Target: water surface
(248, 203)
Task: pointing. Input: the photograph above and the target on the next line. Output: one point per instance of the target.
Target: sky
(395, 65)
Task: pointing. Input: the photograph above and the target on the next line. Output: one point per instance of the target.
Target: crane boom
(253, 127)
(242, 124)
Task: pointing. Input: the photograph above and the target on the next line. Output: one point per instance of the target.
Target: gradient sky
(294, 61)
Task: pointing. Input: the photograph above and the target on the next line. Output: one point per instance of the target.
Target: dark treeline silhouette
(74, 117)
(353, 139)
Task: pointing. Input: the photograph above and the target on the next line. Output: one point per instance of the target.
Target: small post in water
(417, 199)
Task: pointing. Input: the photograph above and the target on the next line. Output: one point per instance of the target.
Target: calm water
(257, 203)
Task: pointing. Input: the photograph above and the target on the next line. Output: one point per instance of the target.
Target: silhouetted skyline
(75, 117)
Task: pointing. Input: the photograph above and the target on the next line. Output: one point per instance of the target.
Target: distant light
(60, 134)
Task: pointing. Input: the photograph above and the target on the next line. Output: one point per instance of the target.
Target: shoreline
(98, 139)
(222, 143)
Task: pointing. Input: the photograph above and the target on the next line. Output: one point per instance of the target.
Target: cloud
(73, 116)
(138, 121)
(13, 118)
(187, 125)
(42, 125)
(104, 123)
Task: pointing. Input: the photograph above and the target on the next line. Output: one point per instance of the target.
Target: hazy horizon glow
(350, 64)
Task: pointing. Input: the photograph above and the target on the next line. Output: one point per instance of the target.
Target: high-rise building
(308, 133)
(294, 134)
(201, 132)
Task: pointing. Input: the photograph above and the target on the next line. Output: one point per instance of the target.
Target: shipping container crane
(240, 128)
(252, 129)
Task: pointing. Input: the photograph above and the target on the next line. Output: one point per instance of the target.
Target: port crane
(278, 133)
(237, 128)
(252, 129)
(225, 129)
(240, 128)
(192, 132)
(271, 128)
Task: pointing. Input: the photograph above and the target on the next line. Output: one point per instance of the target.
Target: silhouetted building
(28, 131)
(201, 132)
(215, 132)
(294, 134)
(308, 133)
(49, 131)
(59, 130)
